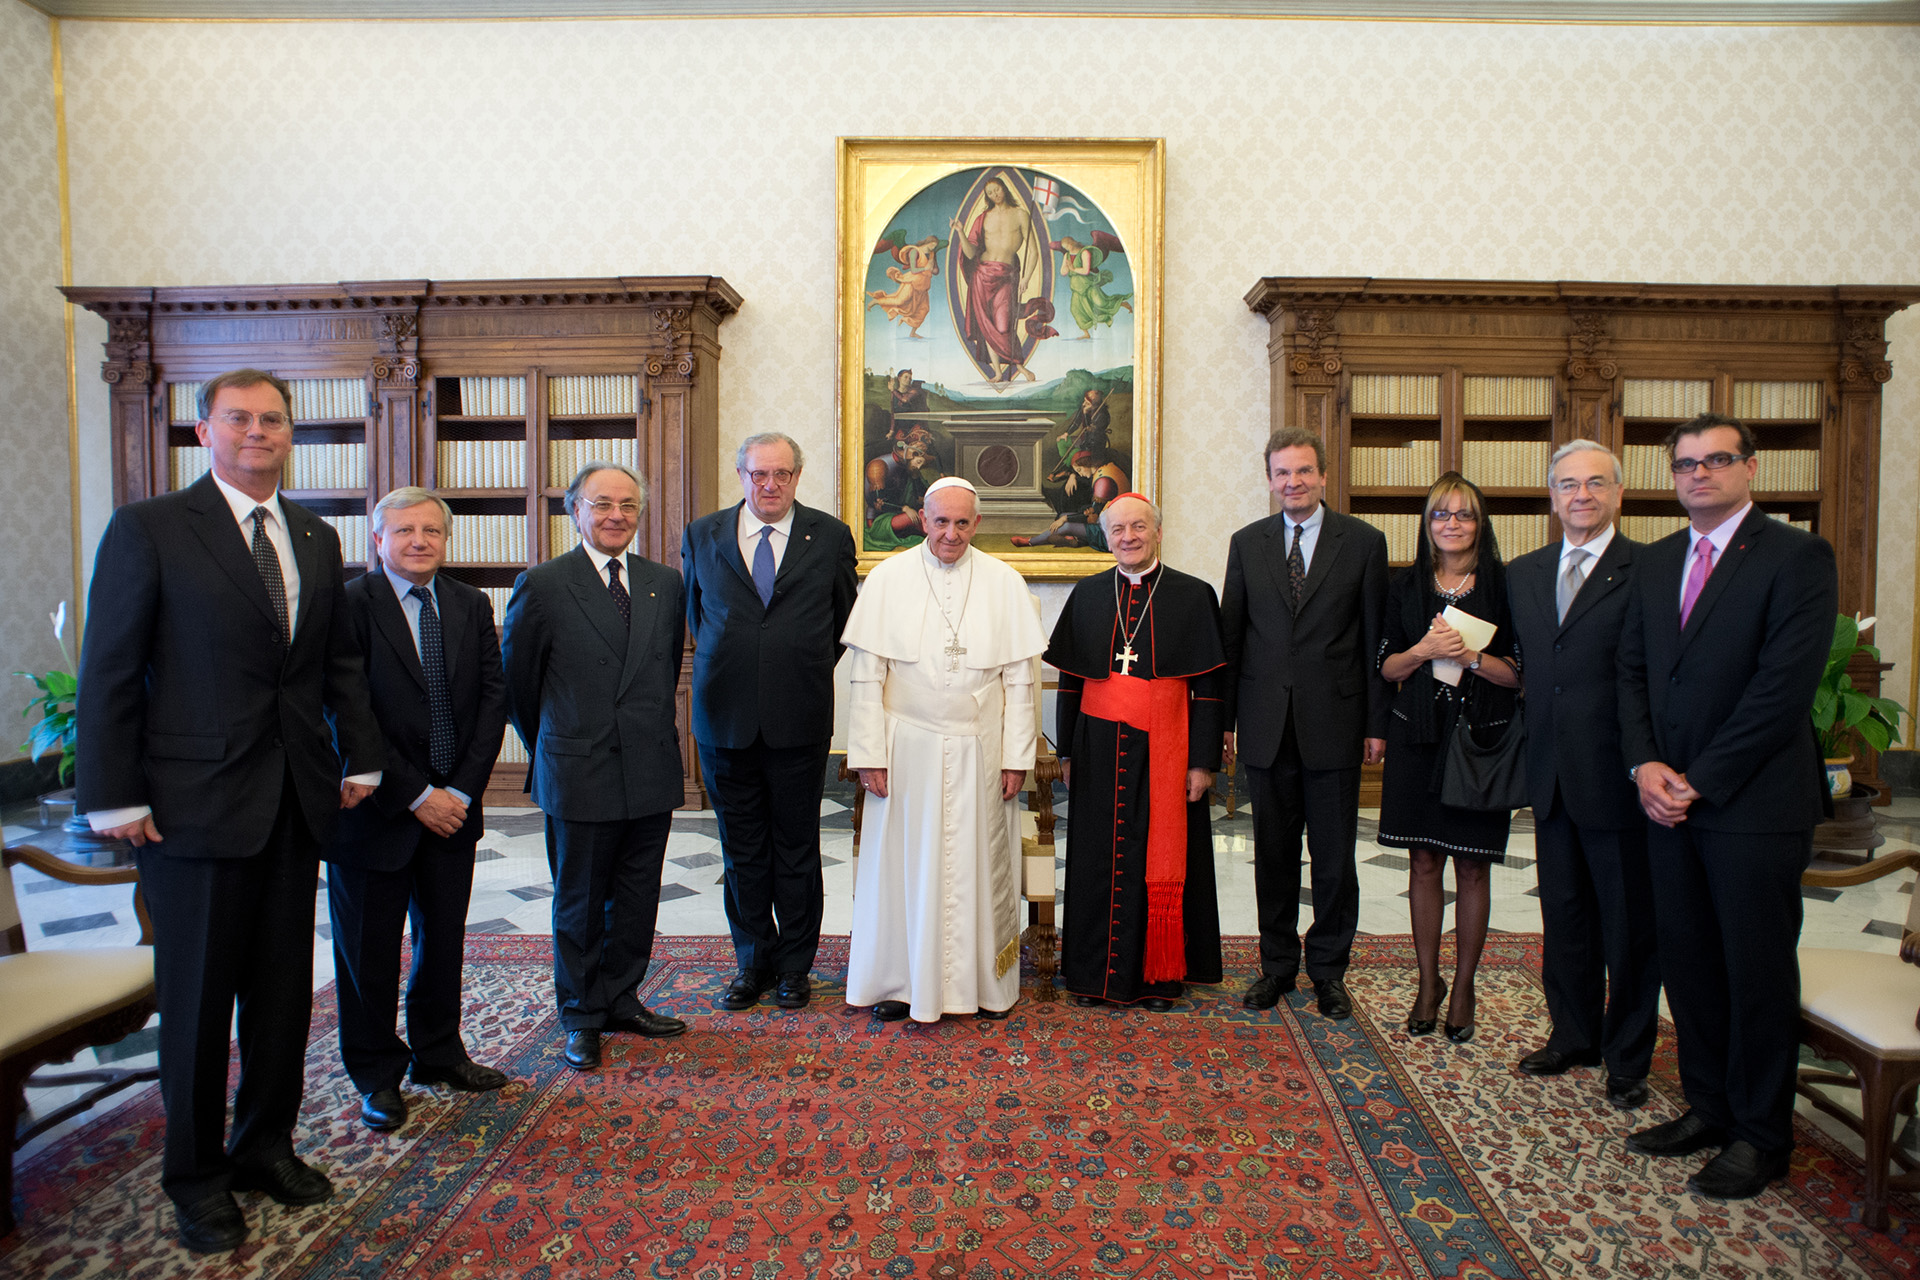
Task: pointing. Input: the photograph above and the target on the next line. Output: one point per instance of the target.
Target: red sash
(1159, 709)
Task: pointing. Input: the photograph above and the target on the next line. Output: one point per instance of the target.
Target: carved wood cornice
(687, 295)
(1293, 293)
(1590, 363)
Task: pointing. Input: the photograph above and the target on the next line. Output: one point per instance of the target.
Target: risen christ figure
(991, 264)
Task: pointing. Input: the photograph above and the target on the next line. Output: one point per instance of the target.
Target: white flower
(59, 617)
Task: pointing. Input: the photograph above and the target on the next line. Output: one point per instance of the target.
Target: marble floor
(512, 889)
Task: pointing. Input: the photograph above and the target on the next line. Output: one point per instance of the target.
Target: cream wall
(206, 153)
(36, 548)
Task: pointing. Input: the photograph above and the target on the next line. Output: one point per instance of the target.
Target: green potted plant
(1844, 716)
(54, 703)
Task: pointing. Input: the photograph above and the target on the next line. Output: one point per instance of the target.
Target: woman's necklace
(1456, 592)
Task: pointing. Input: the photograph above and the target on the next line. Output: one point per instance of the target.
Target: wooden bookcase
(1482, 376)
(491, 393)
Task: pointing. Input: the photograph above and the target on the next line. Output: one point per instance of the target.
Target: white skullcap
(951, 482)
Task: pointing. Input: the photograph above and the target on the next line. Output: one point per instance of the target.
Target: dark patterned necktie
(433, 661)
(619, 592)
(267, 561)
(1296, 570)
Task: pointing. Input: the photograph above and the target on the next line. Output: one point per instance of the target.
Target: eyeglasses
(1592, 484)
(781, 478)
(1712, 462)
(602, 507)
(1457, 517)
(240, 420)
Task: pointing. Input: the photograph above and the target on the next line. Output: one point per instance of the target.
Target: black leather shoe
(1682, 1137)
(583, 1049)
(1553, 1062)
(891, 1010)
(1331, 994)
(1265, 991)
(1157, 1004)
(745, 990)
(655, 1026)
(211, 1225)
(1740, 1172)
(288, 1180)
(1626, 1092)
(1088, 1002)
(1418, 1026)
(465, 1075)
(792, 991)
(383, 1110)
(994, 1015)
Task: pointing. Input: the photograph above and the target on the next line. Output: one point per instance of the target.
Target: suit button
(616, 749)
(603, 662)
(1556, 688)
(1556, 648)
(276, 744)
(1676, 679)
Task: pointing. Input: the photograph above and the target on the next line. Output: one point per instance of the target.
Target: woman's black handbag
(1485, 778)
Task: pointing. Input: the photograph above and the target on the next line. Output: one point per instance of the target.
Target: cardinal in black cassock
(1141, 668)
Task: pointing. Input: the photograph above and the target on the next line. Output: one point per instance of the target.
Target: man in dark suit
(1569, 601)
(433, 669)
(1726, 636)
(769, 586)
(592, 655)
(217, 653)
(1302, 615)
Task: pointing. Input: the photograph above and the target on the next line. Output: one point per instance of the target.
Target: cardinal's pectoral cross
(1126, 658)
(953, 651)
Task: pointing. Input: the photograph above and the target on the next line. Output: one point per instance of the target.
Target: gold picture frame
(1009, 336)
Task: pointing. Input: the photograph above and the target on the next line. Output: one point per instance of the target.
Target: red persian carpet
(1213, 1141)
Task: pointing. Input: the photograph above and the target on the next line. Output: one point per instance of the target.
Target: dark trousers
(1288, 798)
(606, 897)
(232, 932)
(1601, 967)
(767, 801)
(1728, 910)
(369, 909)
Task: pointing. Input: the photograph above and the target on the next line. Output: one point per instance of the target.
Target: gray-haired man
(769, 586)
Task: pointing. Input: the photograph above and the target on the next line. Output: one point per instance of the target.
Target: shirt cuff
(421, 798)
(365, 779)
(458, 794)
(108, 819)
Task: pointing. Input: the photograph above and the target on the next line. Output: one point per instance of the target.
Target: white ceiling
(1711, 12)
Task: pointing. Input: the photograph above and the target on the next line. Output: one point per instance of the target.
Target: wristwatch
(1633, 772)
(1475, 664)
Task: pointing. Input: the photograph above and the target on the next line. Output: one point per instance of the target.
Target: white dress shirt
(747, 533)
(1594, 547)
(601, 559)
(410, 607)
(1720, 535)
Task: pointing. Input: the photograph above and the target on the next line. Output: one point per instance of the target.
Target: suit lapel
(454, 621)
(214, 525)
(1276, 557)
(646, 608)
(1325, 552)
(1738, 549)
(596, 602)
(306, 554)
(726, 539)
(799, 542)
(391, 619)
(1607, 574)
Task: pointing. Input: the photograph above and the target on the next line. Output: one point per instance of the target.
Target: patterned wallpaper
(207, 153)
(35, 543)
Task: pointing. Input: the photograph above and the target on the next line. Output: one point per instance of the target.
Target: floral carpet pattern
(1213, 1141)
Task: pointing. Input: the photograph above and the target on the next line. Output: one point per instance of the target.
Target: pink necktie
(1696, 578)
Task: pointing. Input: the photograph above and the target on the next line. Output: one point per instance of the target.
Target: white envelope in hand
(1477, 633)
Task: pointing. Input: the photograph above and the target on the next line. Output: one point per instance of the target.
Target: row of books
(1505, 464)
(591, 393)
(566, 457)
(314, 399)
(355, 544)
(482, 464)
(1417, 462)
(1503, 396)
(1395, 393)
(311, 466)
(1776, 401)
(1519, 534)
(488, 540)
(1665, 397)
(493, 397)
(562, 534)
(1780, 470)
(498, 597)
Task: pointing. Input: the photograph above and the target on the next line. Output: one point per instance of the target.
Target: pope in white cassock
(942, 641)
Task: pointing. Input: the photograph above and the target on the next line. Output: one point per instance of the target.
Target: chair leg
(13, 1105)
(1879, 1090)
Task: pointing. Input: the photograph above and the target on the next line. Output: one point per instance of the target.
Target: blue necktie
(763, 565)
(433, 663)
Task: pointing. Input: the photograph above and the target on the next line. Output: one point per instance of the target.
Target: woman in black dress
(1458, 564)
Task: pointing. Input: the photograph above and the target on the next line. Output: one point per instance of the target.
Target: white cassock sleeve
(1016, 726)
(866, 711)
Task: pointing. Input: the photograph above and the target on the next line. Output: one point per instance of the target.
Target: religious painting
(999, 322)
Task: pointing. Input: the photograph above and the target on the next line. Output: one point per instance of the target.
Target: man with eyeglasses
(1569, 601)
(224, 723)
(770, 583)
(1727, 629)
(592, 655)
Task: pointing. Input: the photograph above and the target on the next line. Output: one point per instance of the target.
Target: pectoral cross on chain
(953, 651)
(1126, 658)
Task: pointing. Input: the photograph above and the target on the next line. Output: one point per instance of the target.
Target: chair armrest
(60, 869)
(1847, 877)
